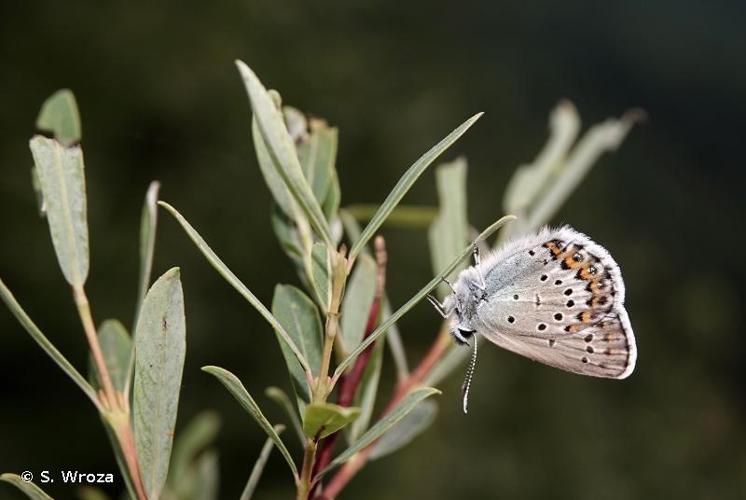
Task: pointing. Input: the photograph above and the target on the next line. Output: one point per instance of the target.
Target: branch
(351, 381)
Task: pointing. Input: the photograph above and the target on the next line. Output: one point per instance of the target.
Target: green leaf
(332, 200)
(191, 441)
(382, 426)
(396, 346)
(92, 493)
(322, 419)
(256, 471)
(270, 172)
(59, 115)
(281, 150)
(36, 184)
(148, 223)
(233, 280)
(351, 227)
(278, 396)
(236, 388)
(287, 234)
(408, 216)
(401, 434)
(62, 182)
(207, 480)
(450, 231)
(529, 180)
(454, 358)
(358, 299)
(321, 276)
(317, 156)
(603, 137)
(365, 398)
(30, 489)
(116, 346)
(384, 327)
(45, 344)
(406, 182)
(160, 347)
(300, 318)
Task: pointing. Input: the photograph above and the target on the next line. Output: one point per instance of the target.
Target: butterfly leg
(437, 305)
(478, 267)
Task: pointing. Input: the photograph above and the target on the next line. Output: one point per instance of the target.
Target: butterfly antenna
(469, 374)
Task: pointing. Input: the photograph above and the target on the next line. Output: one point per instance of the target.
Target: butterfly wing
(558, 298)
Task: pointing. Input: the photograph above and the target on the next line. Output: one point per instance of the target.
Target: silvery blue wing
(555, 297)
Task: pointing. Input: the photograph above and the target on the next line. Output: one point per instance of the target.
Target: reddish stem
(358, 461)
(348, 388)
(350, 382)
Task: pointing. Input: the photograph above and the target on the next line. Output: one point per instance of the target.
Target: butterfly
(555, 297)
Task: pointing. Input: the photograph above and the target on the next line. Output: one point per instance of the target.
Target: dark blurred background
(160, 98)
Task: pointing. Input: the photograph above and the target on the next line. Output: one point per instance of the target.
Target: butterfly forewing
(556, 297)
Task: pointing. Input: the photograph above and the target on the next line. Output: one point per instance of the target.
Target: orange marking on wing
(552, 246)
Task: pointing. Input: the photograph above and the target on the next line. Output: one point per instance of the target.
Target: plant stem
(114, 406)
(84, 310)
(120, 421)
(349, 383)
(304, 482)
(339, 278)
(345, 474)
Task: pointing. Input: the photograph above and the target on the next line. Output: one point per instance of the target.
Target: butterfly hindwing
(555, 297)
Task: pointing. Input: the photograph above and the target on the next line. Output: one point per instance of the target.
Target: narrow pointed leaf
(160, 347)
(406, 182)
(191, 441)
(408, 428)
(382, 426)
(352, 229)
(116, 346)
(358, 299)
(207, 477)
(62, 183)
(278, 396)
(455, 357)
(365, 398)
(148, 224)
(409, 216)
(450, 231)
(323, 419)
(317, 156)
(601, 138)
(332, 200)
(528, 181)
(281, 150)
(59, 115)
(321, 277)
(233, 280)
(300, 318)
(276, 185)
(36, 184)
(45, 344)
(384, 327)
(30, 489)
(256, 471)
(396, 346)
(238, 391)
